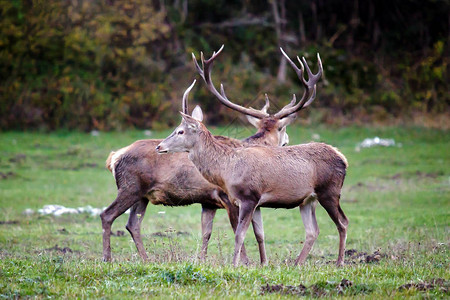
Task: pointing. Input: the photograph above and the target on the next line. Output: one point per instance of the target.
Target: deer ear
(252, 120)
(284, 138)
(287, 120)
(190, 121)
(197, 113)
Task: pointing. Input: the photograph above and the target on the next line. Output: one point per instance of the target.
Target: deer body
(143, 176)
(164, 180)
(260, 176)
(256, 172)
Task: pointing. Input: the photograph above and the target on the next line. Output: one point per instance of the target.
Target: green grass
(397, 200)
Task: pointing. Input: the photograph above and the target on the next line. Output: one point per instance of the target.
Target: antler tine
(266, 105)
(310, 86)
(312, 78)
(311, 98)
(293, 65)
(205, 73)
(292, 103)
(185, 97)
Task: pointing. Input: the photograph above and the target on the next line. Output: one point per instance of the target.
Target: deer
(143, 176)
(310, 173)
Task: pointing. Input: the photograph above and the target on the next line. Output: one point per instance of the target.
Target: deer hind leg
(207, 225)
(134, 226)
(125, 199)
(308, 213)
(331, 205)
(258, 229)
(246, 210)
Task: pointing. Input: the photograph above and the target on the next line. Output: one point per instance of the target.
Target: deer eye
(180, 132)
(279, 129)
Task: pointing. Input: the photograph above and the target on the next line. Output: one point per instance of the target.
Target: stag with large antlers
(311, 172)
(142, 176)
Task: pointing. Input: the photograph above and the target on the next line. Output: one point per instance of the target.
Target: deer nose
(158, 148)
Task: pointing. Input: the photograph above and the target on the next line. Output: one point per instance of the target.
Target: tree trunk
(279, 26)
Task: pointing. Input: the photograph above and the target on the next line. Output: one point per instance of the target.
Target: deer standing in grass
(143, 176)
(276, 177)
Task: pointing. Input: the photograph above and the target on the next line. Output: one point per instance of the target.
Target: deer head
(185, 136)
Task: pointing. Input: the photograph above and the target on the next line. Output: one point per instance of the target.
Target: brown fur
(141, 177)
(144, 176)
(260, 176)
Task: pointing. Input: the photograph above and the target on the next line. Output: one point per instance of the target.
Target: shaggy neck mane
(262, 136)
(258, 138)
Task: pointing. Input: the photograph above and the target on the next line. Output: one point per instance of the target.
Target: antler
(205, 73)
(310, 86)
(267, 105)
(184, 103)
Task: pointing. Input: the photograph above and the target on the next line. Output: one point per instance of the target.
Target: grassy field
(396, 198)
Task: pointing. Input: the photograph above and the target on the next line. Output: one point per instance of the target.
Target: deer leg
(207, 225)
(134, 226)
(233, 216)
(308, 213)
(259, 234)
(335, 212)
(124, 200)
(234, 220)
(246, 210)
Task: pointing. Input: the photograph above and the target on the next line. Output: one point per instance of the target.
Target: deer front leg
(134, 226)
(259, 234)
(233, 216)
(308, 212)
(207, 225)
(246, 210)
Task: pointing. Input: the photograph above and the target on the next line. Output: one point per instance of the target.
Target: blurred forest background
(116, 64)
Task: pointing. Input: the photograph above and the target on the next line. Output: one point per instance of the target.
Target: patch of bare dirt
(44, 146)
(78, 167)
(63, 231)
(369, 186)
(354, 256)
(59, 249)
(18, 158)
(392, 182)
(7, 175)
(438, 283)
(299, 290)
(69, 167)
(118, 233)
(169, 233)
(418, 174)
(320, 289)
(12, 222)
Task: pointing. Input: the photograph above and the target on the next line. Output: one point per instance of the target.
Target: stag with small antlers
(264, 176)
(143, 176)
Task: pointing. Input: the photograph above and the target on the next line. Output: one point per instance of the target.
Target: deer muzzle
(160, 149)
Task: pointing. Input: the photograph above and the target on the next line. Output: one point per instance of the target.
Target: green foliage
(116, 64)
(80, 64)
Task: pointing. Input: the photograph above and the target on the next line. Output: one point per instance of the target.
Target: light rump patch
(115, 158)
(342, 156)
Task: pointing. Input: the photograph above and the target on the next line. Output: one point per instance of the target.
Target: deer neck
(262, 137)
(211, 157)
